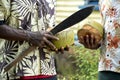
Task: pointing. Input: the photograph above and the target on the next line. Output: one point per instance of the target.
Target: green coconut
(91, 28)
(97, 26)
(65, 38)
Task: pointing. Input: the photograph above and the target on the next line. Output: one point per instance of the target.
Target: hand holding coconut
(91, 35)
(66, 38)
(42, 39)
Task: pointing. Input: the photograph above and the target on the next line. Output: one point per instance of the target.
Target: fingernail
(87, 36)
(57, 38)
(56, 49)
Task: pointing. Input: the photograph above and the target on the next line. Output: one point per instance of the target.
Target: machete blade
(73, 19)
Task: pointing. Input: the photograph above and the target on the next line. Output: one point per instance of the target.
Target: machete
(68, 22)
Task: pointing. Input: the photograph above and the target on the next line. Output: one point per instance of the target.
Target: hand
(90, 41)
(42, 39)
(62, 49)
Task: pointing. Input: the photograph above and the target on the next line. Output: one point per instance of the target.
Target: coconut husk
(91, 28)
(66, 38)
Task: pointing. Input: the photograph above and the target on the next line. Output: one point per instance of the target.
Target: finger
(92, 41)
(50, 44)
(87, 41)
(61, 50)
(100, 43)
(51, 37)
(81, 40)
(96, 46)
(97, 43)
(66, 48)
(56, 49)
(96, 40)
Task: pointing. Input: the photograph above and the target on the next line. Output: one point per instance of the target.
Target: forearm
(9, 33)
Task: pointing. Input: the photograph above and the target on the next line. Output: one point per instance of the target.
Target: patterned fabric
(32, 15)
(110, 50)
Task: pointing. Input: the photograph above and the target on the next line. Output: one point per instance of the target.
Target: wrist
(31, 37)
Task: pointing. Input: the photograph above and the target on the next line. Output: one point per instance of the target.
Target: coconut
(66, 37)
(91, 28)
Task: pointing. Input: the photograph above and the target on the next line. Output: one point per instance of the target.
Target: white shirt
(110, 49)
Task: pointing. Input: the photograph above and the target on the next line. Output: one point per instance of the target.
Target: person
(109, 63)
(24, 23)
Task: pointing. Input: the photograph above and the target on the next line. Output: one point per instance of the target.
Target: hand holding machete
(42, 39)
(68, 22)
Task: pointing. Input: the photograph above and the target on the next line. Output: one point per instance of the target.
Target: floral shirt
(32, 15)
(110, 50)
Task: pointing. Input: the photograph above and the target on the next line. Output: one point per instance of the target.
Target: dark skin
(40, 38)
(90, 42)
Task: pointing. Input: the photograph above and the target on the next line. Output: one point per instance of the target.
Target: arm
(9, 33)
(39, 38)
